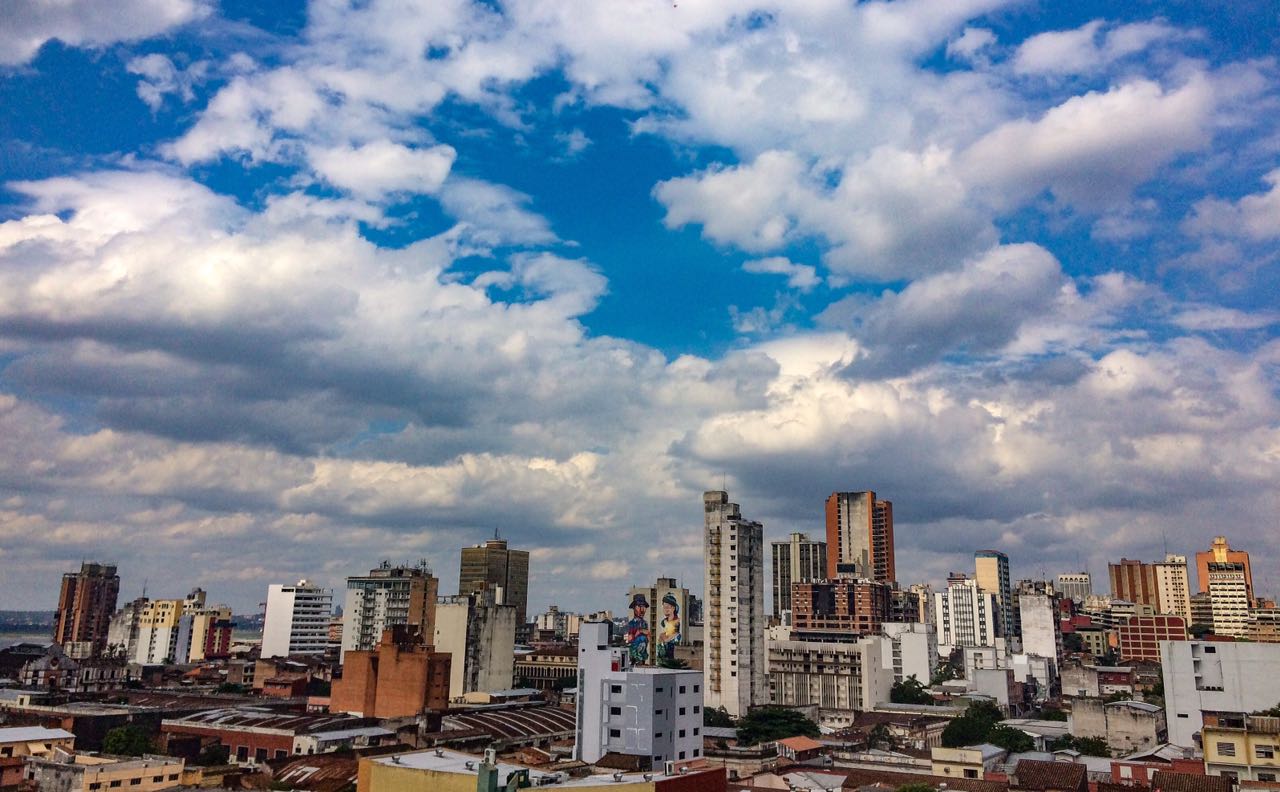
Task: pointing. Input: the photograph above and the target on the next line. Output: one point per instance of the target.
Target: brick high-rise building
(860, 536)
(85, 606)
(798, 559)
(399, 678)
(1220, 552)
(1163, 585)
(491, 566)
(845, 607)
(733, 550)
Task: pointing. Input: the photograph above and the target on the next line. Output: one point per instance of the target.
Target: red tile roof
(1033, 774)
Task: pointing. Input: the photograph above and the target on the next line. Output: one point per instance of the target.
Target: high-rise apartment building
(297, 620)
(798, 559)
(1041, 627)
(493, 566)
(733, 551)
(965, 614)
(1220, 552)
(991, 568)
(1229, 598)
(1075, 586)
(1163, 585)
(1134, 581)
(834, 676)
(85, 606)
(479, 634)
(160, 635)
(388, 596)
(860, 536)
(1173, 586)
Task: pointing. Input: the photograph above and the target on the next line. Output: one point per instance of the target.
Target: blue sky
(284, 294)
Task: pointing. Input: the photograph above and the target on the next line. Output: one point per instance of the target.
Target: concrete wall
(1216, 677)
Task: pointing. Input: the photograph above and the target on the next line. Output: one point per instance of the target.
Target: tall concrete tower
(733, 549)
(860, 536)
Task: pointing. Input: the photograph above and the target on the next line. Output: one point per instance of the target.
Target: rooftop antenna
(144, 587)
(1164, 537)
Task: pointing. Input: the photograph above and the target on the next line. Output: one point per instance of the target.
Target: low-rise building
(83, 772)
(552, 668)
(253, 735)
(1094, 681)
(1248, 752)
(972, 761)
(18, 743)
(444, 770)
(1127, 726)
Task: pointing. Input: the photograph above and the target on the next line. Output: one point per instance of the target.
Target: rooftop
(1165, 781)
(242, 718)
(443, 760)
(1048, 776)
(33, 734)
(513, 724)
(800, 743)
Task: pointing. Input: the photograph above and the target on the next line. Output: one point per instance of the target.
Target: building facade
(1246, 751)
(910, 649)
(1229, 598)
(991, 570)
(492, 566)
(835, 676)
(479, 635)
(1220, 552)
(401, 677)
(667, 614)
(388, 596)
(1140, 636)
(799, 559)
(1209, 682)
(1134, 581)
(860, 536)
(297, 620)
(86, 602)
(654, 714)
(1173, 586)
(1041, 627)
(965, 615)
(733, 551)
(1075, 586)
(846, 606)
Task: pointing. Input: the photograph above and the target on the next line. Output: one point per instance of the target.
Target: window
(157, 779)
(682, 709)
(615, 710)
(1211, 650)
(615, 732)
(681, 735)
(695, 690)
(1267, 777)
(281, 754)
(115, 783)
(260, 755)
(696, 730)
(173, 776)
(615, 688)
(657, 735)
(1265, 752)
(135, 782)
(1126, 771)
(697, 752)
(242, 753)
(95, 785)
(682, 754)
(1226, 749)
(682, 688)
(970, 773)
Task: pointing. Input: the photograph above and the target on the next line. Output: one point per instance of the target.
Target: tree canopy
(127, 741)
(717, 717)
(1011, 739)
(1274, 712)
(909, 691)
(774, 723)
(973, 726)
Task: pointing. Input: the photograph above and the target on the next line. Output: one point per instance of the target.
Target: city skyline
(282, 288)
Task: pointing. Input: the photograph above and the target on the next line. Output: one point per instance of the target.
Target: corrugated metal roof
(32, 734)
(510, 724)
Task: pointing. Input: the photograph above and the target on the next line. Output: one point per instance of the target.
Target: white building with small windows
(653, 713)
(1216, 682)
(297, 620)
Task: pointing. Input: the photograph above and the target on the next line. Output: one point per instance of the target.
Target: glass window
(1226, 749)
(1265, 752)
(615, 732)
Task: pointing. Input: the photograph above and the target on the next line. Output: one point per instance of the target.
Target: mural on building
(669, 633)
(638, 630)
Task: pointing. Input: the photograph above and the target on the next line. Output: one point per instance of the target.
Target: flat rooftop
(443, 760)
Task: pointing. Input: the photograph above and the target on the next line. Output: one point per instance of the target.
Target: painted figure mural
(669, 630)
(638, 630)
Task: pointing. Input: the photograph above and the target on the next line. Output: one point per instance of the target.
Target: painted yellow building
(34, 741)
(443, 770)
(82, 772)
(1248, 753)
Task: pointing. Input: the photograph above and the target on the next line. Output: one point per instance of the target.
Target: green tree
(1089, 746)
(717, 717)
(972, 727)
(774, 723)
(909, 691)
(564, 683)
(1274, 712)
(127, 741)
(1053, 714)
(1011, 739)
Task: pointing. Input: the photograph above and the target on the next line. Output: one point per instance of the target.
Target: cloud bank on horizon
(281, 297)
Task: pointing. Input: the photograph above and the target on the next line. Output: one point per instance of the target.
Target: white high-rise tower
(733, 551)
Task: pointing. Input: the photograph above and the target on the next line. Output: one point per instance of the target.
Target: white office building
(653, 713)
(965, 615)
(1041, 628)
(833, 675)
(1226, 679)
(297, 620)
(911, 649)
(734, 639)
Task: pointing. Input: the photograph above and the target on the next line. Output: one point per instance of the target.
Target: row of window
(132, 782)
(1259, 751)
